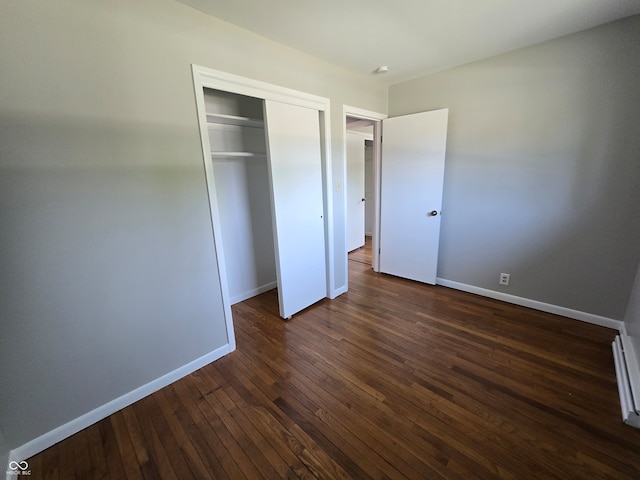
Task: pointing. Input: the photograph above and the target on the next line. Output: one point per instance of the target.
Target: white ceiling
(412, 37)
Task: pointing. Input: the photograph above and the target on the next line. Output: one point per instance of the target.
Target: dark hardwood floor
(362, 254)
(393, 379)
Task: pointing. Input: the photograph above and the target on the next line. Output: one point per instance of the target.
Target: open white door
(355, 190)
(412, 173)
(295, 171)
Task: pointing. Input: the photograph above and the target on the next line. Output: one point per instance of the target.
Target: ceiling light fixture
(381, 69)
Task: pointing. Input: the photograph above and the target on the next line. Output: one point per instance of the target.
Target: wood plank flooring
(362, 254)
(392, 380)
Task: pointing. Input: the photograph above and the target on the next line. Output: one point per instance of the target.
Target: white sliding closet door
(295, 171)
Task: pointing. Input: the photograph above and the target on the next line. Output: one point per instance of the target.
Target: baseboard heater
(628, 378)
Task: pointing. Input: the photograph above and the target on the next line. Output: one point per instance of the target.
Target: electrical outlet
(504, 278)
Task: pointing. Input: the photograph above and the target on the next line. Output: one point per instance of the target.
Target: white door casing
(295, 172)
(355, 190)
(412, 173)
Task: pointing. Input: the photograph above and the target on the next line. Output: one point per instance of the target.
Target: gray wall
(543, 168)
(108, 274)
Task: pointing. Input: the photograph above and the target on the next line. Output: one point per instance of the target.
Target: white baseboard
(536, 305)
(252, 293)
(58, 434)
(337, 292)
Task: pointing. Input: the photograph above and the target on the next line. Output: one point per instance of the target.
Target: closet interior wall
(241, 179)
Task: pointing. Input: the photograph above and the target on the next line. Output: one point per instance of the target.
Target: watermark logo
(19, 468)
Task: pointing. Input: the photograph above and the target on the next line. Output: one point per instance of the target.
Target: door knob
(433, 213)
(364, 199)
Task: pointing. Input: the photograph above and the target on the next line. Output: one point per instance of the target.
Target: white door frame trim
(377, 118)
(204, 77)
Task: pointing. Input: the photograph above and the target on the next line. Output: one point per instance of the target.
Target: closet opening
(266, 156)
(236, 131)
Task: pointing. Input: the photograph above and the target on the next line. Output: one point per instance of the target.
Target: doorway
(369, 124)
(406, 220)
(359, 184)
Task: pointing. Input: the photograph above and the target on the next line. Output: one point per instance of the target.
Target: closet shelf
(238, 155)
(220, 118)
